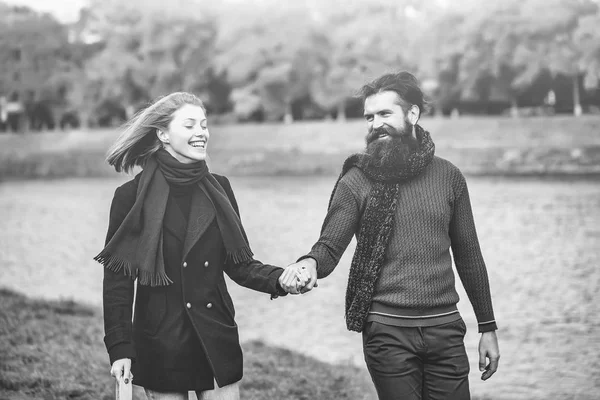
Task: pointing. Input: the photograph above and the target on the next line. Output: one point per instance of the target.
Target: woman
(176, 228)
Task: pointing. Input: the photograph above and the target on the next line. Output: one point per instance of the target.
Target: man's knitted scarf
(377, 223)
(136, 249)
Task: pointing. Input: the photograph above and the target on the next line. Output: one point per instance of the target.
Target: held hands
(121, 369)
(299, 277)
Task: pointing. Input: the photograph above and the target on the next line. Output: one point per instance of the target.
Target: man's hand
(309, 266)
(488, 348)
(299, 277)
(122, 369)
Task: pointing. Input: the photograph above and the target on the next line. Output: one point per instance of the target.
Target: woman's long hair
(138, 141)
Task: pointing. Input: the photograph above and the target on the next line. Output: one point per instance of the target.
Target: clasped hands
(299, 277)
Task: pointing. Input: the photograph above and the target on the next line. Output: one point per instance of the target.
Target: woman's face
(186, 137)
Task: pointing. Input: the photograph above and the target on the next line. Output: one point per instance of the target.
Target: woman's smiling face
(187, 135)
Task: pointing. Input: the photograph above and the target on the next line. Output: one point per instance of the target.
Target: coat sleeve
(117, 288)
(252, 274)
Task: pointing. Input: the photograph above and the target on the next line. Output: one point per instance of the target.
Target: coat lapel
(202, 213)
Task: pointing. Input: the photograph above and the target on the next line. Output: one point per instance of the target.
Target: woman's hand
(122, 369)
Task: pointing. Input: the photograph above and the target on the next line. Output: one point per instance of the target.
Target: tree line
(277, 60)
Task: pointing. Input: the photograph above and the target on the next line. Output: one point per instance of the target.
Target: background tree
(148, 52)
(268, 56)
(34, 49)
(547, 35)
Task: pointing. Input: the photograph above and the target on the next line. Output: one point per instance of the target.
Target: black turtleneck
(182, 194)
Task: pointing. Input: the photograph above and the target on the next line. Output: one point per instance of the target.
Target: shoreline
(584, 175)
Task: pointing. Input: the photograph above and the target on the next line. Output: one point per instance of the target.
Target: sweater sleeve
(118, 289)
(469, 260)
(252, 274)
(340, 224)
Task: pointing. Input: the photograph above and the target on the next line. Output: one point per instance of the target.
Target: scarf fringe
(241, 255)
(145, 278)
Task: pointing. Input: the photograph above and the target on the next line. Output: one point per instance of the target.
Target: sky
(63, 10)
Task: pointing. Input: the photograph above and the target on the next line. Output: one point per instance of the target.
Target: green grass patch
(477, 145)
(54, 350)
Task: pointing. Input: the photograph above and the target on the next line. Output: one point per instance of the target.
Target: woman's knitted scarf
(136, 248)
(377, 223)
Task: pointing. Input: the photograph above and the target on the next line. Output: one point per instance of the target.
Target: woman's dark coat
(183, 334)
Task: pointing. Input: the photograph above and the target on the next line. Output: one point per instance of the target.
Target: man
(407, 208)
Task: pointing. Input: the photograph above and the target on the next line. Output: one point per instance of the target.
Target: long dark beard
(391, 152)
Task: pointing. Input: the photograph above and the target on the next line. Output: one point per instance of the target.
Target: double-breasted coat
(184, 334)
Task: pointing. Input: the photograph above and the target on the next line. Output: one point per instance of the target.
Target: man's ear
(162, 136)
(414, 113)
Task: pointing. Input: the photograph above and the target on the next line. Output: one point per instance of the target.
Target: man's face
(385, 117)
(389, 138)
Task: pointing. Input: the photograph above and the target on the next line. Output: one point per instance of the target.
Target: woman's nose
(201, 133)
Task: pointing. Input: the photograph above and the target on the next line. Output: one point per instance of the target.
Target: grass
(54, 350)
(478, 145)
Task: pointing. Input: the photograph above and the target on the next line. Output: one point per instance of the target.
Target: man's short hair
(403, 83)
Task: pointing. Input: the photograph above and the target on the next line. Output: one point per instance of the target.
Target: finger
(290, 278)
(289, 285)
(312, 282)
(487, 374)
(117, 371)
(288, 282)
(296, 281)
(493, 365)
(491, 368)
(294, 290)
(285, 275)
(482, 357)
(305, 289)
(288, 288)
(126, 373)
(301, 280)
(305, 273)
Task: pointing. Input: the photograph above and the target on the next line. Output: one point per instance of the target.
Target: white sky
(63, 10)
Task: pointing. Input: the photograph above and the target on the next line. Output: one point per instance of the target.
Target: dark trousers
(428, 363)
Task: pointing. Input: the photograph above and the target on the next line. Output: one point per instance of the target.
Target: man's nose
(377, 122)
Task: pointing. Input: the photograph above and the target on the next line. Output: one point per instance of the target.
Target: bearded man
(407, 208)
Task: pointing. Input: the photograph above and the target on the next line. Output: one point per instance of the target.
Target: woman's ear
(162, 136)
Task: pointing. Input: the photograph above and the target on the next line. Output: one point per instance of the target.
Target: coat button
(184, 264)
(206, 263)
(188, 305)
(209, 305)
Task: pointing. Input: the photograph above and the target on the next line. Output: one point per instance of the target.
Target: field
(539, 237)
(559, 145)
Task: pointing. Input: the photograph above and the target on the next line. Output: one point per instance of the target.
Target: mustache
(376, 133)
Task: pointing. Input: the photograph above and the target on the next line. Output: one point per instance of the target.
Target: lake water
(540, 239)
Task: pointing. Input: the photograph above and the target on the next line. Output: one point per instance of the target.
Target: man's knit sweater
(416, 285)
